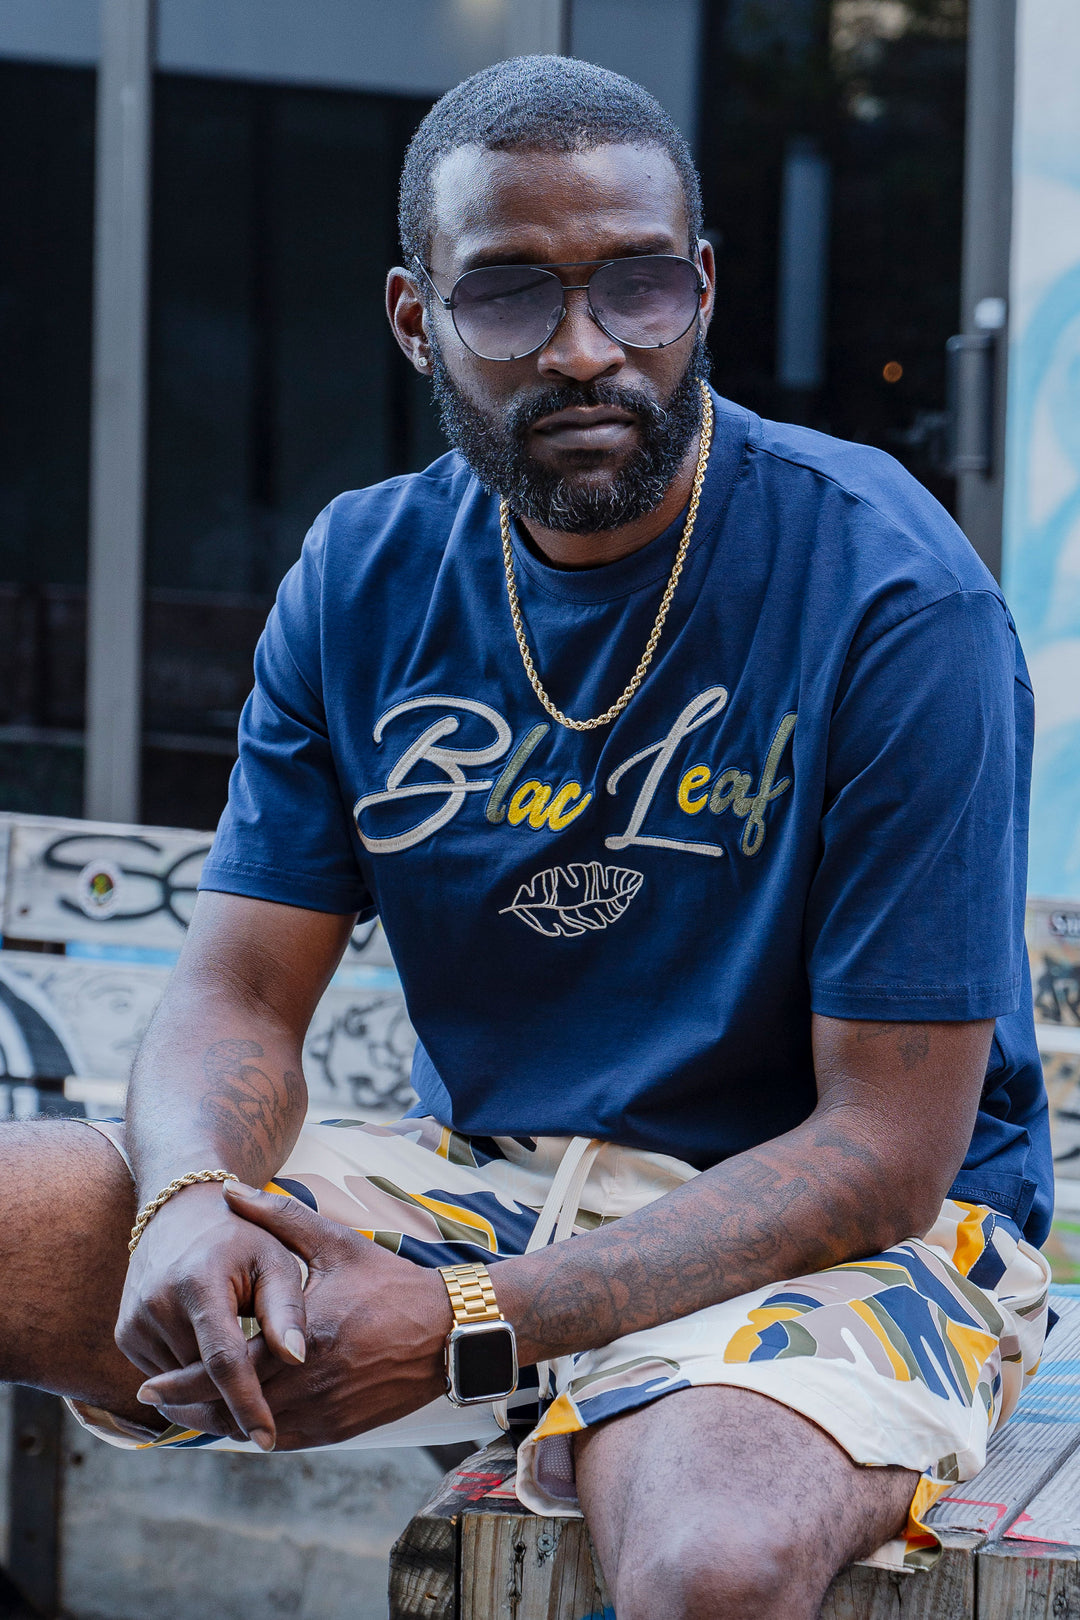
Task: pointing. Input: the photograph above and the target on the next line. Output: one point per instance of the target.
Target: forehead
(552, 207)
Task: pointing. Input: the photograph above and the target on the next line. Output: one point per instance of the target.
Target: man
(684, 758)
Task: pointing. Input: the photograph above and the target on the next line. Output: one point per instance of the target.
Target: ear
(407, 317)
(707, 261)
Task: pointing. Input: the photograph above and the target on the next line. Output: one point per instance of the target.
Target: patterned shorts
(912, 1357)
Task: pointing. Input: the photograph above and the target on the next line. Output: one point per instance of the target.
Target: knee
(717, 1571)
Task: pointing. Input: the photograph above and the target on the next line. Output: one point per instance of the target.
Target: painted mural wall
(1042, 533)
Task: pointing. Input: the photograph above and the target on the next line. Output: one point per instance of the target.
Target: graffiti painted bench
(93, 917)
(1011, 1536)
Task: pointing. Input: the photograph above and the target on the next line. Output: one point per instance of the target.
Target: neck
(608, 545)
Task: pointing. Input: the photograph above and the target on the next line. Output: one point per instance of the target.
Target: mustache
(527, 412)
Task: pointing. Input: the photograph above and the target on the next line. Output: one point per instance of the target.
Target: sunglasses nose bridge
(560, 325)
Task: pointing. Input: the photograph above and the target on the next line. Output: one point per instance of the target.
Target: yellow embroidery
(689, 799)
(558, 815)
(529, 803)
(533, 803)
(731, 790)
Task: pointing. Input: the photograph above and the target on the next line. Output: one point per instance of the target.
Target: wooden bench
(1011, 1535)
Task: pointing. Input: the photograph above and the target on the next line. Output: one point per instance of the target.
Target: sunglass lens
(506, 311)
(645, 302)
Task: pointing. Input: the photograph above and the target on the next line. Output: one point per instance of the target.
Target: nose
(579, 348)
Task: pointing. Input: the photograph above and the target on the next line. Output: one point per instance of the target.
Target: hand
(198, 1267)
(376, 1327)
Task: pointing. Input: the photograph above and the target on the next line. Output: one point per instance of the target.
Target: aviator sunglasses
(508, 311)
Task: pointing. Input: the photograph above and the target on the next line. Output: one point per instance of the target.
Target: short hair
(538, 104)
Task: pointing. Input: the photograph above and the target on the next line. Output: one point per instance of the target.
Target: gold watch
(481, 1349)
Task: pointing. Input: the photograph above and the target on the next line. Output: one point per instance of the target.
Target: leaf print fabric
(912, 1357)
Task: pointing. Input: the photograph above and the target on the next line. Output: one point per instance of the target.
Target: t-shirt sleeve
(916, 908)
(286, 834)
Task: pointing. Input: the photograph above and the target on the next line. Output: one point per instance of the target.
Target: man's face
(586, 434)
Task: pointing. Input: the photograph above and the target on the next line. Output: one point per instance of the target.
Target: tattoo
(763, 1215)
(912, 1041)
(838, 1186)
(872, 1032)
(254, 1115)
(913, 1046)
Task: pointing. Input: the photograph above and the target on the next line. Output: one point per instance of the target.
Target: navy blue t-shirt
(817, 801)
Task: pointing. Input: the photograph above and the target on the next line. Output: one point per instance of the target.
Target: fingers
(193, 1385)
(224, 1354)
(310, 1235)
(280, 1309)
(205, 1417)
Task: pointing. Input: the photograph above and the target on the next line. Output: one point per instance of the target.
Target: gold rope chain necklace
(638, 676)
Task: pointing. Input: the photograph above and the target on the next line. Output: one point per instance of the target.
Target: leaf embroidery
(600, 895)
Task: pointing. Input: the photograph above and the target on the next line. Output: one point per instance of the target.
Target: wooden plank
(946, 1592)
(529, 1568)
(424, 1574)
(1020, 1580)
(143, 894)
(101, 882)
(1040, 1435)
(1053, 940)
(1054, 1514)
(511, 1562)
(63, 1015)
(358, 1050)
(545, 1569)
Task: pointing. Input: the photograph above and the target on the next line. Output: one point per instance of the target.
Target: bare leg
(66, 1208)
(720, 1504)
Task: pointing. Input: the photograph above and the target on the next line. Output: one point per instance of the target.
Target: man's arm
(871, 1166)
(218, 1083)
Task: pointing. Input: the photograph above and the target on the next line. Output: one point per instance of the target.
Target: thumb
(308, 1234)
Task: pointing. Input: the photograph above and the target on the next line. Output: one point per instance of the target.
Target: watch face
(483, 1362)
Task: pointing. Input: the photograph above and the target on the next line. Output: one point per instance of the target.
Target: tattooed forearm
(868, 1168)
(792, 1206)
(248, 1111)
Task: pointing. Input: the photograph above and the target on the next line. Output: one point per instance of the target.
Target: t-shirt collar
(653, 562)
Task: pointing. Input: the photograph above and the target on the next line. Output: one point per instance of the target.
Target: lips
(583, 418)
(587, 427)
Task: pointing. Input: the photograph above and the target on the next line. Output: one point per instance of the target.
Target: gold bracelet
(472, 1294)
(148, 1211)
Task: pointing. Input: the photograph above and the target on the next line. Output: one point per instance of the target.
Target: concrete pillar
(980, 384)
(118, 410)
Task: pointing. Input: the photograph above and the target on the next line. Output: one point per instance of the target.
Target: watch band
(472, 1294)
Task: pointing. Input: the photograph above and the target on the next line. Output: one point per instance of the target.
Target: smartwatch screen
(484, 1364)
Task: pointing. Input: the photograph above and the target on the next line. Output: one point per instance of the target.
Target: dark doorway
(836, 128)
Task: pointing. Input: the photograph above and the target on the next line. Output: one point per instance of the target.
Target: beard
(498, 452)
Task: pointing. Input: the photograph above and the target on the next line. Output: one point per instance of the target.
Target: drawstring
(554, 1223)
(564, 1194)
